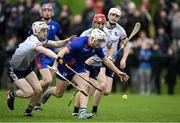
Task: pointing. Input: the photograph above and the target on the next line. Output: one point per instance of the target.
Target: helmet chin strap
(112, 25)
(40, 39)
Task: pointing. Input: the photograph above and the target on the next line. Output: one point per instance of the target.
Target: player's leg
(105, 80)
(77, 97)
(35, 84)
(83, 99)
(59, 89)
(25, 90)
(42, 62)
(92, 73)
(98, 95)
(109, 81)
(45, 82)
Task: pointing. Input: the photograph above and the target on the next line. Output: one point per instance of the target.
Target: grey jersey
(116, 34)
(25, 53)
(104, 46)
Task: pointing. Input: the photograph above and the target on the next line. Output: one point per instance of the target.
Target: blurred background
(157, 73)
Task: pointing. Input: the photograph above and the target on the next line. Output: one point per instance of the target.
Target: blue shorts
(68, 73)
(42, 61)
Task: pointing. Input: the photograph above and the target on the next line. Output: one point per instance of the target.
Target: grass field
(152, 108)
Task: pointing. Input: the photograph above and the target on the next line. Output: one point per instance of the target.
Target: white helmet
(97, 34)
(114, 11)
(38, 26)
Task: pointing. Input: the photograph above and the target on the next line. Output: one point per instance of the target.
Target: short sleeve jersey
(80, 51)
(25, 53)
(116, 34)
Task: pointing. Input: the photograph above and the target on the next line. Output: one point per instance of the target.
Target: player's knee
(102, 86)
(47, 80)
(38, 90)
(28, 93)
(107, 92)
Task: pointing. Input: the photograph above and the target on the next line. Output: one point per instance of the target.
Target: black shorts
(94, 70)
(109, 72)
(15, 74)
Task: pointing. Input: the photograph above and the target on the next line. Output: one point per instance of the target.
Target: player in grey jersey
(20, 70)
(117, 33)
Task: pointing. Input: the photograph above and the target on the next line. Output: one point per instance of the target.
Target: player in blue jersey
(54, 32)
(75, 54)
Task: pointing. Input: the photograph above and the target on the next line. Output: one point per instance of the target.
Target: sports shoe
(37, 107)
(28, 113)
(45, 98)
(10, 100)
(75, 114)
(85, 115)
(93, 114)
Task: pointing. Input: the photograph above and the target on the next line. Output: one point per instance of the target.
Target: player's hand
(110, 58)
(71, 37)
(122, 63)
(123, 76)
(89, 61)
(53, 69)
(60, 60)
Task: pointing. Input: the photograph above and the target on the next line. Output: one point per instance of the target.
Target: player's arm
(46, 51)
(59, 43)
(61, 54)
(127, 48)
(110, 51)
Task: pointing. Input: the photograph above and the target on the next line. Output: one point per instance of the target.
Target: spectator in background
(145, 19)
(87, 14)
(98, 6)
(13, 25)
(2, 21)
(125, 4)
(175, 29)
(107, 5)
(174, 8)
(146, 5)
(173, 60)
(77, 27)
(28, 5)
(163, 42)
(34, 12)
(56, 5)
(161, 20)
(144, 69)
(21, 10)
(64, 19)
(132, 16)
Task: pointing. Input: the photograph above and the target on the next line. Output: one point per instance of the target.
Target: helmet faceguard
(97, 36)
(38, 26)
(114, 12)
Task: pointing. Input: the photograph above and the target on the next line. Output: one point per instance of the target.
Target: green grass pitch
(113, 108)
